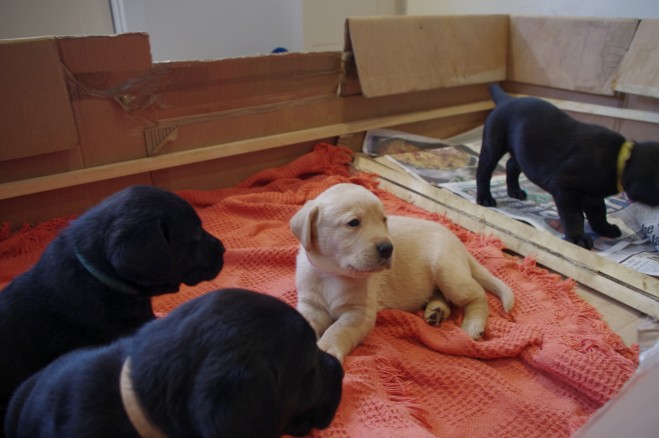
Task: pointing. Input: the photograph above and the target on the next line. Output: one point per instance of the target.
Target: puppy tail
(498, 95)
(489, 282)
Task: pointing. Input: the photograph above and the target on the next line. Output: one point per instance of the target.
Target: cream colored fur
(343, 279)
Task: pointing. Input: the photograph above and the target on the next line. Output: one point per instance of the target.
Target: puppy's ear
(140, 253)
(303, 224)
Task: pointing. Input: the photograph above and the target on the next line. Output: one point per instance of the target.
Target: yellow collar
(623, 156)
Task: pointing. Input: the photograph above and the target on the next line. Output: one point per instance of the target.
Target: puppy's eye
(354, 223)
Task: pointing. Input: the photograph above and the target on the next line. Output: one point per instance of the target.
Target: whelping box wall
(86, 116)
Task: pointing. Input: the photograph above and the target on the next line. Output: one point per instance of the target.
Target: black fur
(574, 161)
(146, 240)
(232, 363)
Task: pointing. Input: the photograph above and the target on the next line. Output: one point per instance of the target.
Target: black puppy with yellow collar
(580, 164)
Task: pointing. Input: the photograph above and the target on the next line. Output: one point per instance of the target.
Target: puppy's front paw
(486, 200)
(331, 349)
(517, 194)
(583, 241)
(335, 352)
(436, 312)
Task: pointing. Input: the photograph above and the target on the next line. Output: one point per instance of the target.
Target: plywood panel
(639, 73)
(404, 54)
(577, 54)
(35, 112)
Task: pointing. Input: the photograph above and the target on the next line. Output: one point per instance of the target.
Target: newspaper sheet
(451, 163)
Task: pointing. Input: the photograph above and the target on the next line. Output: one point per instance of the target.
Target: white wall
(31, 18)
(198, 29)
(324, 20)
(194, 29)
(583, 8)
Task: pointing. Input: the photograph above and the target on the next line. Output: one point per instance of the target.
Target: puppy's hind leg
(494, 147)
(475, 316)
(461, 289)
(437, 310)
(513, 172)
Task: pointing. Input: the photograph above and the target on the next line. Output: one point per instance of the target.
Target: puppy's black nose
(385, 249)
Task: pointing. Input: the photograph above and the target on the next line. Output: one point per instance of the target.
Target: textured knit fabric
(541, 371)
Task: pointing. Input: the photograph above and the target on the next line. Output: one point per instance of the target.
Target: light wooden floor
(621, 319)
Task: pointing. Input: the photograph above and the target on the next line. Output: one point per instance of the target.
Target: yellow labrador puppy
(354, 261)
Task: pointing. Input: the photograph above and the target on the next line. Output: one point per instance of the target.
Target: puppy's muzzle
(385, 249)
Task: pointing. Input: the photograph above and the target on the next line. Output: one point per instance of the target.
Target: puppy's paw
(436, 312)
(331, 349)
(486, 200)
(517, 194)
(608, 230)
(475, 329)
(583, 241)
(336, 353)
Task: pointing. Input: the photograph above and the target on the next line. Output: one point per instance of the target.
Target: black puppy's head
(641, 177)
(235, 363)
(324, 386)
(150, 239)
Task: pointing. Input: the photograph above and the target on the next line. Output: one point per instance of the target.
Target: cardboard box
(86, 116)
(36, 111)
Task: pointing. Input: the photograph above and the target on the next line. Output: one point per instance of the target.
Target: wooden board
(35, 110)
(603, 110)
(403, 54)
(622, 284)
(133, 167)
(149, 164)
(639, 73)
(579, 54)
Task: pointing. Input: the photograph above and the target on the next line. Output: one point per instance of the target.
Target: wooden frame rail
(625, 285)
(148, 164)
(159, 162)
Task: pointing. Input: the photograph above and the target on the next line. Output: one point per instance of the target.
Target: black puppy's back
(554, 150)
(43, 406)
(230, 363)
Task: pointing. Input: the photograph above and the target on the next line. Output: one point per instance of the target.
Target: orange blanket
(541, 371)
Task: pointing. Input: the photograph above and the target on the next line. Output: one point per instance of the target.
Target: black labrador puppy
(579, 164)
(231, 363)
(94, 282)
